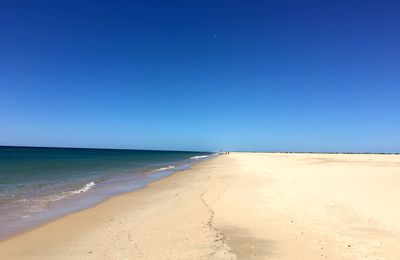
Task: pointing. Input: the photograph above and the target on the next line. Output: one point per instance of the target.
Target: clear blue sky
(201, 75)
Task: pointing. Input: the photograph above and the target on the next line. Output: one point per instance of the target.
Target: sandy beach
(238, 206)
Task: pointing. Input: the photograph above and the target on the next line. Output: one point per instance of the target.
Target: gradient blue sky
(201, 75)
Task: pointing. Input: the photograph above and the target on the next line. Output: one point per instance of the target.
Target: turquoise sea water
(39, 184)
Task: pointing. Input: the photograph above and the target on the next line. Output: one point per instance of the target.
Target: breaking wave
(199, 157)
(166, 168)
(85, 188)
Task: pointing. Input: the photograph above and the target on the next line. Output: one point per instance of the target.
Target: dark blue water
(39, 184)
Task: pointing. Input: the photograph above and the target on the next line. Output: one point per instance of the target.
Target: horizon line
(165, 150)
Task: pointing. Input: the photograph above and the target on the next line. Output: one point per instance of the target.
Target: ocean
(40, 184)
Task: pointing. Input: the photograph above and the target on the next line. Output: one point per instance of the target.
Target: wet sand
(238, 206)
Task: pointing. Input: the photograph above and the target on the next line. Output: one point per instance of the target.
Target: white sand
(242, 205)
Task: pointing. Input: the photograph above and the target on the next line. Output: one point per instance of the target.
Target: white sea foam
(199, 157)
(85, 188)
(166, 168)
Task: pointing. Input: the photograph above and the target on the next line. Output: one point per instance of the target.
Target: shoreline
(238, 206)
(71, 205)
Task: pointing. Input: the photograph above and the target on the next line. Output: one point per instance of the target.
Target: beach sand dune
(238, 206)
